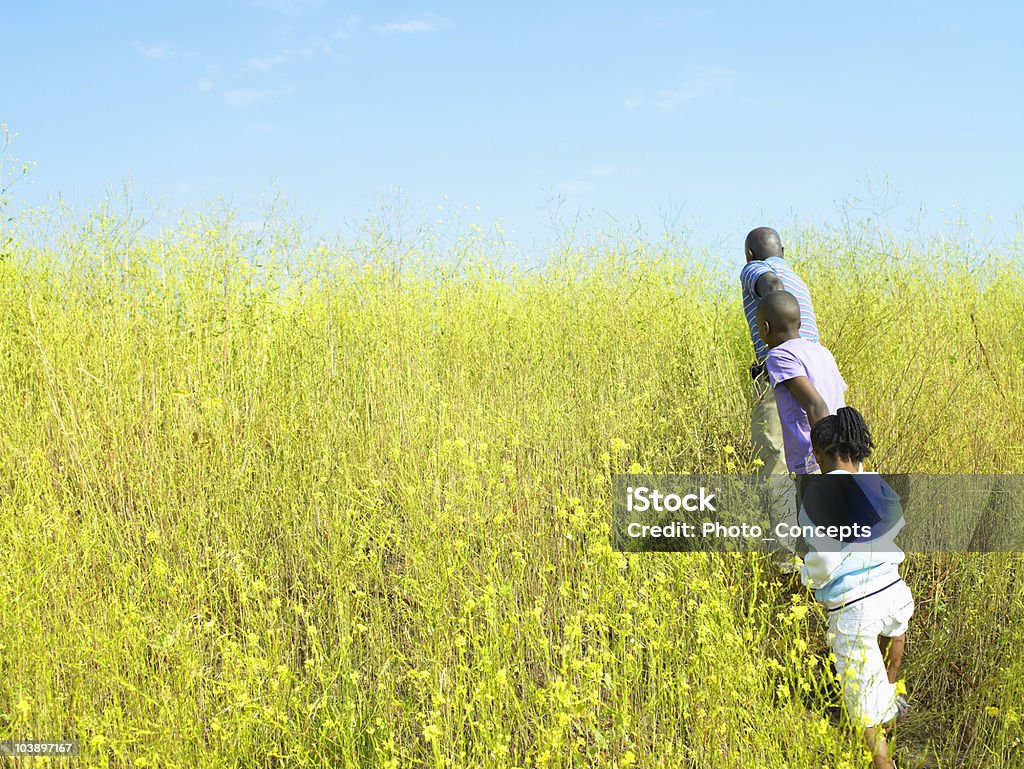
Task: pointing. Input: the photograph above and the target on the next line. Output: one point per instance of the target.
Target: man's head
(778, 318)
(762, 243)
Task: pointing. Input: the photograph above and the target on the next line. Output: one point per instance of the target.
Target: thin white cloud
(306, 53)
(711, 81)
(414, 26)
(155, 51)
(243, 97)
(266, 63)
(632, 102)
(226, 87)
(348, 28)
(246, 97)
(602, 169)
(585, 186)
(207, 82)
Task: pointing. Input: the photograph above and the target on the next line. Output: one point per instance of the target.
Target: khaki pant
(779, 488)
(766, 429)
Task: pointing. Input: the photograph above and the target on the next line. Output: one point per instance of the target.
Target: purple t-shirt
(801, 357)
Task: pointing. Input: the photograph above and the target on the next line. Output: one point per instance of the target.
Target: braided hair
(843, 434)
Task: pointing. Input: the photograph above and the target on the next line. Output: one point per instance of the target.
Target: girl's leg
(879, 747)
(892, 653)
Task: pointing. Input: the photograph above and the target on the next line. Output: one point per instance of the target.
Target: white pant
(853, 633)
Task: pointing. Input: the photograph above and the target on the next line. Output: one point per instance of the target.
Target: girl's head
(841, 440)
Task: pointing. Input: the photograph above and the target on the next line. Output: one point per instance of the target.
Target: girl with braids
(844, 436)
(857, 580)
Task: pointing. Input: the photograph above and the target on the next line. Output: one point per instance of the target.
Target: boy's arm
(808, 397)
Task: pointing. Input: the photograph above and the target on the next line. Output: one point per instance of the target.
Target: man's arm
(751, 273)
(808, 397)
(767, 283)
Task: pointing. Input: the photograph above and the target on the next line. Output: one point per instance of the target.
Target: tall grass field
(273, 502)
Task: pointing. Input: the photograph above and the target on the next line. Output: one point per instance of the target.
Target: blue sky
(720, 116)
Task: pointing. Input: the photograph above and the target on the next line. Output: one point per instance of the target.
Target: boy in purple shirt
(807, 382)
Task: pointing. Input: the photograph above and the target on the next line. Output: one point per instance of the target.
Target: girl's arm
(819, 568)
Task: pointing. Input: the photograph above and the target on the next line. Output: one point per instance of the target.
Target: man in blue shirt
(766, 270)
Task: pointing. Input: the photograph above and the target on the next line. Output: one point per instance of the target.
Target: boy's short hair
(781, 309)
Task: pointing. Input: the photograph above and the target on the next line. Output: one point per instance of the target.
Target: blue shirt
(792, 283)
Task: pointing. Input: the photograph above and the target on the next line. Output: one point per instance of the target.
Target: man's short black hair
(762, 243)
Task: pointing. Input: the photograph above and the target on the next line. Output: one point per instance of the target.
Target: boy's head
(778, 318)
(841, 440)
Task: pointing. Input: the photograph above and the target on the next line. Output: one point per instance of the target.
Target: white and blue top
(841, 572)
